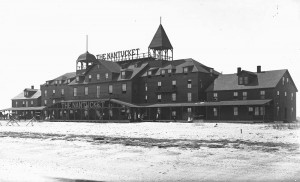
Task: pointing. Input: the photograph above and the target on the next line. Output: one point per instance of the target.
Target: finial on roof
(87, 41)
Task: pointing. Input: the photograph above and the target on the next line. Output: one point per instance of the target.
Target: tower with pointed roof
(160, 46)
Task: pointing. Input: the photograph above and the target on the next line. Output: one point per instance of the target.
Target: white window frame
(97, 91)
(235, 111)
(124, 87)
(86, 90)
(75, 92)
(110, 89)
(189, 97)
(174, 97)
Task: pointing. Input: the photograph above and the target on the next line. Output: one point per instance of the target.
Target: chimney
(258, 69)
(239, 69)
(32, 87)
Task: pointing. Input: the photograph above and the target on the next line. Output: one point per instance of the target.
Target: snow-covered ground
(50, 151)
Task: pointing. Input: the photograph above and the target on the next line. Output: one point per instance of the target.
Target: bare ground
(148, 152)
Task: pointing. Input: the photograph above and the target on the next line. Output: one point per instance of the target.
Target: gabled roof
(66, 76)
(111, 66)
(21, 96)
(179, 64)
(266, 79)
(135, 71)
(160, 40)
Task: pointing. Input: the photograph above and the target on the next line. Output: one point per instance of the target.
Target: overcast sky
(41, 40)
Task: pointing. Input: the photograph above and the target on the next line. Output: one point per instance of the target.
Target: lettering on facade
(120, 55)
(81, 105)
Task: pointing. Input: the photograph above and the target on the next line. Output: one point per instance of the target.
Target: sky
(41, 40)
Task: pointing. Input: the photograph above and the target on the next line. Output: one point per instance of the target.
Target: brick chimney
(32, 87)
(239, 69)
(258, 69)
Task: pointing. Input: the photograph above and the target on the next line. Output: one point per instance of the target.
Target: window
(98, 91)
(149, 73)
(86, 90)
(159, 85)
(174, 83)
(215, 96)
(123, 74)
(278, 109)
(163, 72)
(256, 113)
(189, 109)
(262, 94)
(146, 87)
(110, 89)
(287, 80)
(98, 76)
(159, 97)
(53, 92)
(53, 102)
(62, 91)
(235, 94)
(250, 109)
(189, 83)
(173, 97)
(90, 78)
(68, 81)
(124, 88)
(169, 70)
(47, 82)
(241, 80)
(75, 92)
(235, 111)
(26, 103)
(185, 70)
(285, 94)
(246, 80)
(292, 96)
(278, 93)
(59, 82)
(23, 103)
(45, 93)
(215, 110)
(77, 78)
(244, 95)
(292, 110)
(282, 80)
(106, 76)
(262, 110)
(16, 103)
(45, 102)
(189, 97)
(146, 98)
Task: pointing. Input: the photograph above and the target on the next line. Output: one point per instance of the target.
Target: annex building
(130, 86)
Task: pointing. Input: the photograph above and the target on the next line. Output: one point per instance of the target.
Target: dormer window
(77, 78)
(47, 82)
(163, 72)
(56, 82)
(68, 81)
(170, 70)
(123, 75)
(246, 80)
(241, 81)
(185, 70)
(149, 73)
